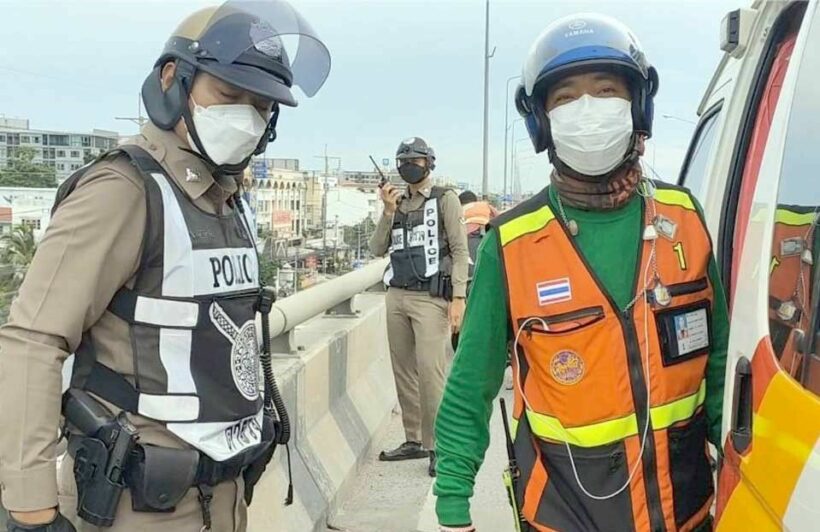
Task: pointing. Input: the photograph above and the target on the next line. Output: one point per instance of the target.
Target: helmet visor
(241, 26)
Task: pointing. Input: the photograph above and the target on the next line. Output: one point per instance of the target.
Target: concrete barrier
(340, 392)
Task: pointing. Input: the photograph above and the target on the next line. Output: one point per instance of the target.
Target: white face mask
(228, 133)
(591, 135)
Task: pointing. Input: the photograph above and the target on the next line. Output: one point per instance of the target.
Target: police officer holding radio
(423, 230)
(148, 274)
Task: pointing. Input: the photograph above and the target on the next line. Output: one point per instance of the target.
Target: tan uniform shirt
(91, 248)
(455, 235)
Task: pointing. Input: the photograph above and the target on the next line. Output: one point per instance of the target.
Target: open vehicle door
(768, 245)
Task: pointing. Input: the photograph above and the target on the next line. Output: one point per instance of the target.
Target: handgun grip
(84, 412)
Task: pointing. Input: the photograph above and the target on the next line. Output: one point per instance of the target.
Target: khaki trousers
(418, 332)
(228, 510)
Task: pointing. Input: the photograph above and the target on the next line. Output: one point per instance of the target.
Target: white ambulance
(754, 162)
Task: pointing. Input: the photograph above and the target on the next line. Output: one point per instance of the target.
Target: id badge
(791, 247)
(397, 239)
(684, 332)
(415, 238)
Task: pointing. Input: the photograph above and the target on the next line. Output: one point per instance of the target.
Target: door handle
(741, 430)
(809, 352)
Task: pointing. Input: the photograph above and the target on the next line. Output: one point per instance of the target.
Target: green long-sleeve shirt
(608, 242)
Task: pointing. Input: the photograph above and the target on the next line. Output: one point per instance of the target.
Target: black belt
(419, 286)
(208, 471)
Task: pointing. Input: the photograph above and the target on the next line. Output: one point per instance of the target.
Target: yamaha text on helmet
(578, 44)
(406, 154)
(239, 43)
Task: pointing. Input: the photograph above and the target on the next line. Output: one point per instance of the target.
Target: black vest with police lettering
(417, 246)
(191, 315)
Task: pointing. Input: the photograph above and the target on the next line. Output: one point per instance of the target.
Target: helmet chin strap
(631, 158)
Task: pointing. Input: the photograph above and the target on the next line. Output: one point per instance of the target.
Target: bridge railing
(334, 297)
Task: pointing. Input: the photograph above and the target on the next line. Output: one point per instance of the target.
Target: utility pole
(139, 119)
(512, 149)
(335, 244)
(327, 158)
(515, 167)
(507, 129)
(487, 56)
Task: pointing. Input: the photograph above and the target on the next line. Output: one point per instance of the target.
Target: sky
(399, 69)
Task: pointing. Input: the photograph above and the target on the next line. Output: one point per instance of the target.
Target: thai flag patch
(555, 291)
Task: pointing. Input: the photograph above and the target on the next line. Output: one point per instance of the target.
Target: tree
(22, 171)
(16, 252)
(359, 235)
(267, 270)
(18, 246)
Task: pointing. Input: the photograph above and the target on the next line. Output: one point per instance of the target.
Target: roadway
(398, 497)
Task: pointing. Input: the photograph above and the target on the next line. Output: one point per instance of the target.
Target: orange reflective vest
(790, 278)
(582, 381)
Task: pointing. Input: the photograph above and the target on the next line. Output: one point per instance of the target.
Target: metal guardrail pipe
(337, 294)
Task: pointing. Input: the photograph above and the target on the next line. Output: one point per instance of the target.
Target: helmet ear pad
(643, 102)
(165, 107)
(535, 118)
(649, 103)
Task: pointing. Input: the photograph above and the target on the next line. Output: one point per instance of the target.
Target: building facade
(27, 206)
(278, 191)
(370, 178)
(63, 151)
(313, 202)
(5, 220)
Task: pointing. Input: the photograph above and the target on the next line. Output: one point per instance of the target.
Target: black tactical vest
(417, 246)
(191, 315)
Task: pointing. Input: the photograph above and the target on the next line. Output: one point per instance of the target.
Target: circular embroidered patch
(567, 367)
(244, 352)
(245, 362)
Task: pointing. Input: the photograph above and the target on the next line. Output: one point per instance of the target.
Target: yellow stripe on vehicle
(527, 223)
(785, 429)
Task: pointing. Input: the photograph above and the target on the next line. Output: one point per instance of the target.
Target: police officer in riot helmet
(423, 232)
(148, 274)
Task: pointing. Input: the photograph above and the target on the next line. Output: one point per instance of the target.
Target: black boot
(409, 450)
(431, 469)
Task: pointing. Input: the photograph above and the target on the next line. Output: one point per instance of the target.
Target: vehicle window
(752, 143)
(693, 171)
(794, 297)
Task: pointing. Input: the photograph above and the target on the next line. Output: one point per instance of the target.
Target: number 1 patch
(678, 247)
